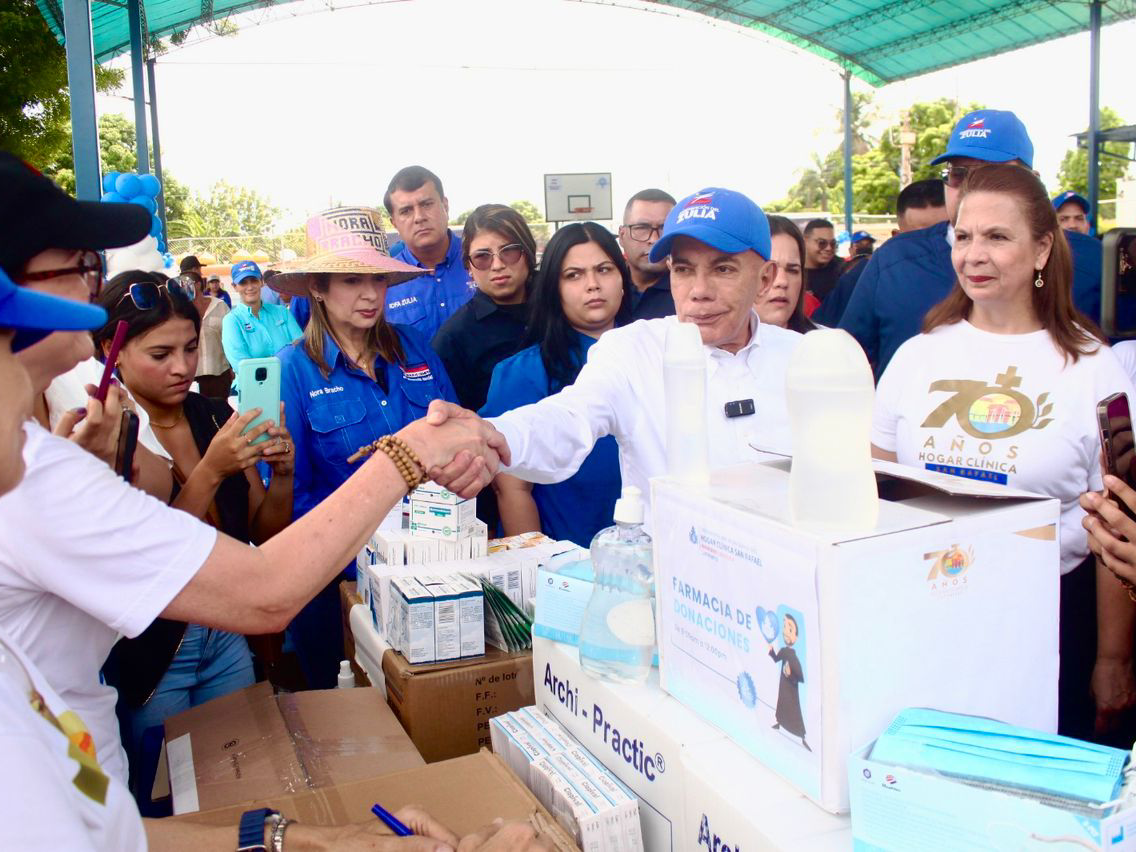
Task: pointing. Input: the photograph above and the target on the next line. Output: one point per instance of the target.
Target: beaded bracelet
(406, 461)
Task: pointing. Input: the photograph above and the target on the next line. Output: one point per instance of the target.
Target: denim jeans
(208, 664)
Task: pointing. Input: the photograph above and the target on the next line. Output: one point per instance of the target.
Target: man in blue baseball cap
(1072, 212)
(254, 328)
(912, 272)
(717, 246)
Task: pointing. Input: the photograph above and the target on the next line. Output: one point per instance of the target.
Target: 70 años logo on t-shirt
(990, 411)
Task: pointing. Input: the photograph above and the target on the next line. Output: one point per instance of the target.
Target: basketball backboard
(577, 197)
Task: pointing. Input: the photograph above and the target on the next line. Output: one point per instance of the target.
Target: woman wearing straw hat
(351, 379)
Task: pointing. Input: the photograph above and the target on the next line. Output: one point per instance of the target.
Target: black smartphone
(127, 444)
(1117, 444)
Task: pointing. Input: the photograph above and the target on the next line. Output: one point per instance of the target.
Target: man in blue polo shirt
(420, 213)
(912, 272)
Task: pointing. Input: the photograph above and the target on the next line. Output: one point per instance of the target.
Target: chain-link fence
(224, 249)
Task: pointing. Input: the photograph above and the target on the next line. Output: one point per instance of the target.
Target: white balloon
(142, 255)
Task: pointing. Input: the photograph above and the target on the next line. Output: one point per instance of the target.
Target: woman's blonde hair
(382, 339)
(1072, 332)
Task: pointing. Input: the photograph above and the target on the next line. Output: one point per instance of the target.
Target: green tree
(35, 107)
(875, 170)
(117, 154)
(228, 211)
(529, 211)
(1074, 170)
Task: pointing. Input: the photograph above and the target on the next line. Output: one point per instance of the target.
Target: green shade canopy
(879, 41)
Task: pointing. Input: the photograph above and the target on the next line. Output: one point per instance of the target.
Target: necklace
(177, 420)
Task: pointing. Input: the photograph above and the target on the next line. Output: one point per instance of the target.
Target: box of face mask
(900, 808)
(801, 644)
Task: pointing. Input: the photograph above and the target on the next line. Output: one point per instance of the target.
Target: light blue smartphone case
(258, 386)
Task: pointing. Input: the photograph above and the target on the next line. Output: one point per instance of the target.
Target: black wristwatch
(250, 837)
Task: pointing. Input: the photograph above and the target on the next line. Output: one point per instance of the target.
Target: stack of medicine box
(438, 513)
(437, 619)
(584, 797)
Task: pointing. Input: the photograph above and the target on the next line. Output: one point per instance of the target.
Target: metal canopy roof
(879, 41)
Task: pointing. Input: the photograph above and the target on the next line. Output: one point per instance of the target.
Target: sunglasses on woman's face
(89, 267)
(146, 294)
(483, 259)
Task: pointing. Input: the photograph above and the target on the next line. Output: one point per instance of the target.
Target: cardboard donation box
(696, 788)
(802, 645)
(465, 794)
(446, 707)
(253, 744)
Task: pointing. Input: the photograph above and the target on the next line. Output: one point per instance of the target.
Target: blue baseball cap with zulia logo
(993, 135)
(1064, 198)
(244, 269)
(722, 218)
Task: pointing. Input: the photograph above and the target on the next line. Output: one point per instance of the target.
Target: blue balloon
(151, 186)
(128, 185)
(108, 181)
(112, 198)
(145, 201)
(161, 245)
(155, 226)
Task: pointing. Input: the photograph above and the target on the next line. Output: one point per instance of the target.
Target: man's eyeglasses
(89, 268)
(643, 232)
(483, 258)
(823, 244)
(953, 176)
(146, 294)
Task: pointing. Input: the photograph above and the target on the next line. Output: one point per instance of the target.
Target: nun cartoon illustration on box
(788, 713)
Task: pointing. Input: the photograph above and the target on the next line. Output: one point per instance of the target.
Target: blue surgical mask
(978, 749)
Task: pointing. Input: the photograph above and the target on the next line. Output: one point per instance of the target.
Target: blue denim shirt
(332, 418)
(428, 301)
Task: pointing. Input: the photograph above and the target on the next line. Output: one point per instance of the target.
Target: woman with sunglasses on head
(583, 290)
(499, 251)
(351, 379)
(95, 558)
(173, 666)
(783, 303)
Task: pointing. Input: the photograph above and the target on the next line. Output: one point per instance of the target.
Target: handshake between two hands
(460, 451)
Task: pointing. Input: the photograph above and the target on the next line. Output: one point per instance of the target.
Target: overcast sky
(493, 94)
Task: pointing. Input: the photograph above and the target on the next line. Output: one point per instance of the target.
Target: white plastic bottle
(684, 383)
(830, 395)
(617, 635)
(346, 676)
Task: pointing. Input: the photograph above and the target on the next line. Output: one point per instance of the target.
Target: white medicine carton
(415, 620)
(802, 644)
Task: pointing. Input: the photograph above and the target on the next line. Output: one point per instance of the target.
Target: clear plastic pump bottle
(684, 385)
(830, 395)
(617, 636)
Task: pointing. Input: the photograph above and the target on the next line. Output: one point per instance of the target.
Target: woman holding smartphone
(173, 666)
(352, 378)
(583, 290)
(1003, 386)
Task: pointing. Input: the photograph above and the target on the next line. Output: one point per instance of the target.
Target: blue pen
(390, 821)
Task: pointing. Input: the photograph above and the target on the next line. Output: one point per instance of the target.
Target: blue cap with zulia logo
(993, 135)
(722, 218)
(244, 269)
(1065, 197)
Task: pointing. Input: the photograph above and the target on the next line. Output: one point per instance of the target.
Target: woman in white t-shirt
(1002, 387)
(83, 556)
